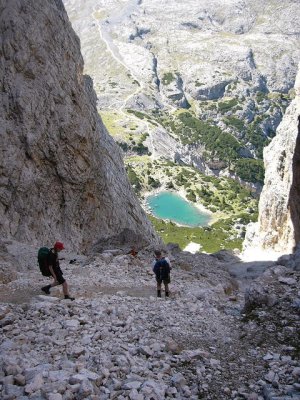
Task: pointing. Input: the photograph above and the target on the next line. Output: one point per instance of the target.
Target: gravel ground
(118, 341)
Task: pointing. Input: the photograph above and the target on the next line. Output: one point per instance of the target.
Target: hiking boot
(159, 293)
(46, 289)
(167, 294)
(67, 297)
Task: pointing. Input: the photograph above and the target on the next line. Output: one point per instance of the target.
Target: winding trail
(105, 37)
(112, 48)
(114, 51)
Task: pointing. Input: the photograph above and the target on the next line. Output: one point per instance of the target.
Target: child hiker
(162, 273)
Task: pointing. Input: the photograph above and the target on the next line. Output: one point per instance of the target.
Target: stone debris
(118, 341)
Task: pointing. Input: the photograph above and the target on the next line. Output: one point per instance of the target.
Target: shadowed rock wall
(294, 201)
(62, 175)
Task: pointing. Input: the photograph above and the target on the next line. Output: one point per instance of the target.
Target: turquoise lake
(169, 205)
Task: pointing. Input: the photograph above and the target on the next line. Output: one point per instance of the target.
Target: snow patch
(192, 247)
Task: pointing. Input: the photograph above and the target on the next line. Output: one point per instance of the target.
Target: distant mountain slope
(160, 52)
(232, 64)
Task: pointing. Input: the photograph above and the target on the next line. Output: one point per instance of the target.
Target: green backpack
(43, 261)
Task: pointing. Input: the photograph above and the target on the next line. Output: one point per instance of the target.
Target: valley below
(196, 100)
(195, 87)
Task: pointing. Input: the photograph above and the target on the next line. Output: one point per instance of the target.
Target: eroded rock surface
(278, 225)
(207, 46)
(62, 176)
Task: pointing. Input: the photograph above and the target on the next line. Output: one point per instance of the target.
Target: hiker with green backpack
(49, 266)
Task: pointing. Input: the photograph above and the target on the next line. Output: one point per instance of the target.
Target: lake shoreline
(182, 194)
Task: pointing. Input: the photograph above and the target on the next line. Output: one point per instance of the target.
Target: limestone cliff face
(62, 175)
(278, 227)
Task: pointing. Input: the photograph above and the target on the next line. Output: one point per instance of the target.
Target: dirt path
(23, 296)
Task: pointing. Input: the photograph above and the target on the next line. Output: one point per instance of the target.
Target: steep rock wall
(62, 175)
(278, 226)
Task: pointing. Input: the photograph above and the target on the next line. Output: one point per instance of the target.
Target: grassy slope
(218, 236)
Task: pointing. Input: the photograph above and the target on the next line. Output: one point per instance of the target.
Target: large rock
(62, 175)
(278, 227)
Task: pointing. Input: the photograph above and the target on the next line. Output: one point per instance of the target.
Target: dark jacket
(162, 269)
(53, 259)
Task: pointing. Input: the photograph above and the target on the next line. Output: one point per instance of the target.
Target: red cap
(59, 246)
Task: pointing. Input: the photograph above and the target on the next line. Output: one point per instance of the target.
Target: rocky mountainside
(218, 336)
(230, 65)
(278, 225)
(62, 176)
(168, 52)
